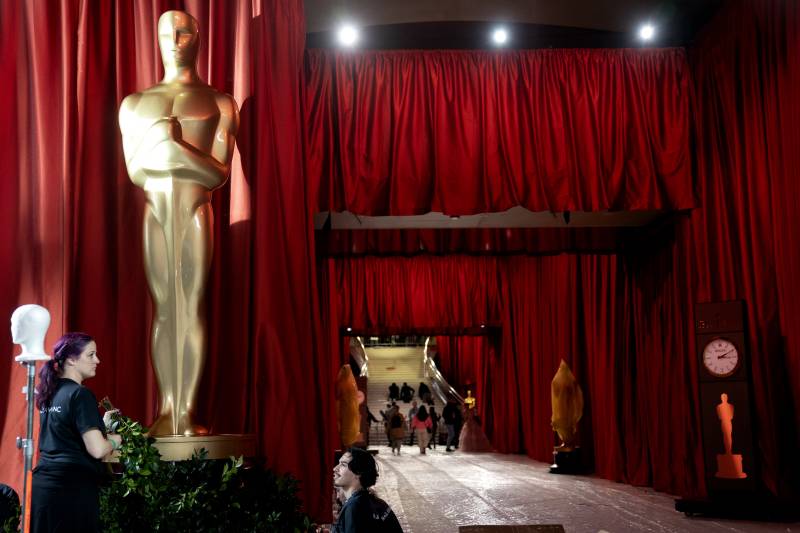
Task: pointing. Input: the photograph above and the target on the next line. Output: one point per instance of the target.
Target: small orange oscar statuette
(729, 465)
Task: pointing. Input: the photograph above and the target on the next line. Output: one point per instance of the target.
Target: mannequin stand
(26, 444)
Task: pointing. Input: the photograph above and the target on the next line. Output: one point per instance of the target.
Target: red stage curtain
(465, 132)
(575, 307)
(461, 360)
(73, 240)
(465, 362)
(484, 241)
(386, 295)
(627, 321)
(745, 238)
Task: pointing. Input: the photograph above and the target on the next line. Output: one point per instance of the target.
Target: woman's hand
(108, 420)
(116, 442)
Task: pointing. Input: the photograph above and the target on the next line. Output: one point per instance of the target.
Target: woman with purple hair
(72, 441)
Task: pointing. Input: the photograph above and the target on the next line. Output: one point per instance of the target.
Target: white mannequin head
(29, 325)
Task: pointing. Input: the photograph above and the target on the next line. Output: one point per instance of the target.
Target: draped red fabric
(462, 359)
(465, 132)
(744, 239)
(624, 322)
(33, 160)
(74, 219)
(465, 362)
(12, 415)
(385, 295)
(575, 307)
(487, 241)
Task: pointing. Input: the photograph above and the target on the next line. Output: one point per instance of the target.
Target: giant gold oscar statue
(178, 138)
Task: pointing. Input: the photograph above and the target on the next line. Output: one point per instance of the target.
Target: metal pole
(26, 444)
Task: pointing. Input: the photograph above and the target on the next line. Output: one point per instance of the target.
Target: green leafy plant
(194, 495)
(11, 525)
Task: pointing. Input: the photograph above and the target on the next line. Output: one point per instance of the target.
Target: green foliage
(195, 495)
(11, 525)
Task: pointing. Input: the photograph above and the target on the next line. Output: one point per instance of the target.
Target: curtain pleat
(466, 132)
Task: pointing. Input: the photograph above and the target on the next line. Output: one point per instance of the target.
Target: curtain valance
(466, 132)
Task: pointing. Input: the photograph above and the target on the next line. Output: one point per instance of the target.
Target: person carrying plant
(72, 441)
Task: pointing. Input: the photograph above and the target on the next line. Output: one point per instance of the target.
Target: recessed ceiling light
(500, 36)
(347, 35)
(647, 32)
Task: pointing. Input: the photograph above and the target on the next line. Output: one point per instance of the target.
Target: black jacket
(451, 414)
(364, 512)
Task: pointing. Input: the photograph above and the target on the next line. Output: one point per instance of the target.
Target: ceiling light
(647, 32)
(347, 35)
(500, 36)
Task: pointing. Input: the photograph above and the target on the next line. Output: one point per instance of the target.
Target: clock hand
(724, 355)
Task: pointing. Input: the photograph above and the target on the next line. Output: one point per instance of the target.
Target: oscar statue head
(179, 40)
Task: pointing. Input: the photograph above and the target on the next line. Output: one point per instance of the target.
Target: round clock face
(720, 357)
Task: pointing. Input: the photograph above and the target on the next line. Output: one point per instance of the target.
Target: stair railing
(359, 355)
(440, 386)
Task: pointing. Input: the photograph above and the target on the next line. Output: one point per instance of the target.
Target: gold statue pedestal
(181, 448)
(729, 466)
(566, 461)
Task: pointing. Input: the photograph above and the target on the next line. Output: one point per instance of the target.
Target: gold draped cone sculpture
(347, 407)
(567, 401)
(178, 138)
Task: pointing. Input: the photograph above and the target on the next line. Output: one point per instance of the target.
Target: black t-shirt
(364, 512)
(71, 413)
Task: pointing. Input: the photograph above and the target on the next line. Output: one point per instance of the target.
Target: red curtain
(465, 362)
(384, 295)
(744, 239)
(74, 219)
(465, 132)
(625, 321)
(486, 241)
(462, 360)
(575, 307)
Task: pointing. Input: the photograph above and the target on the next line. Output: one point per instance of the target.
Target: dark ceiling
(465, 24)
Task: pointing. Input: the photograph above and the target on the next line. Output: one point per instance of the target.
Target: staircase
(389, 365)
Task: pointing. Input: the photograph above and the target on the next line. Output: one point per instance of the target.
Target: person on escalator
(424, 393)
(406, 393)
(394, 392)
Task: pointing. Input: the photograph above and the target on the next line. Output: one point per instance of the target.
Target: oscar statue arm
(135, 144)
(184, 160)
(210, 169)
